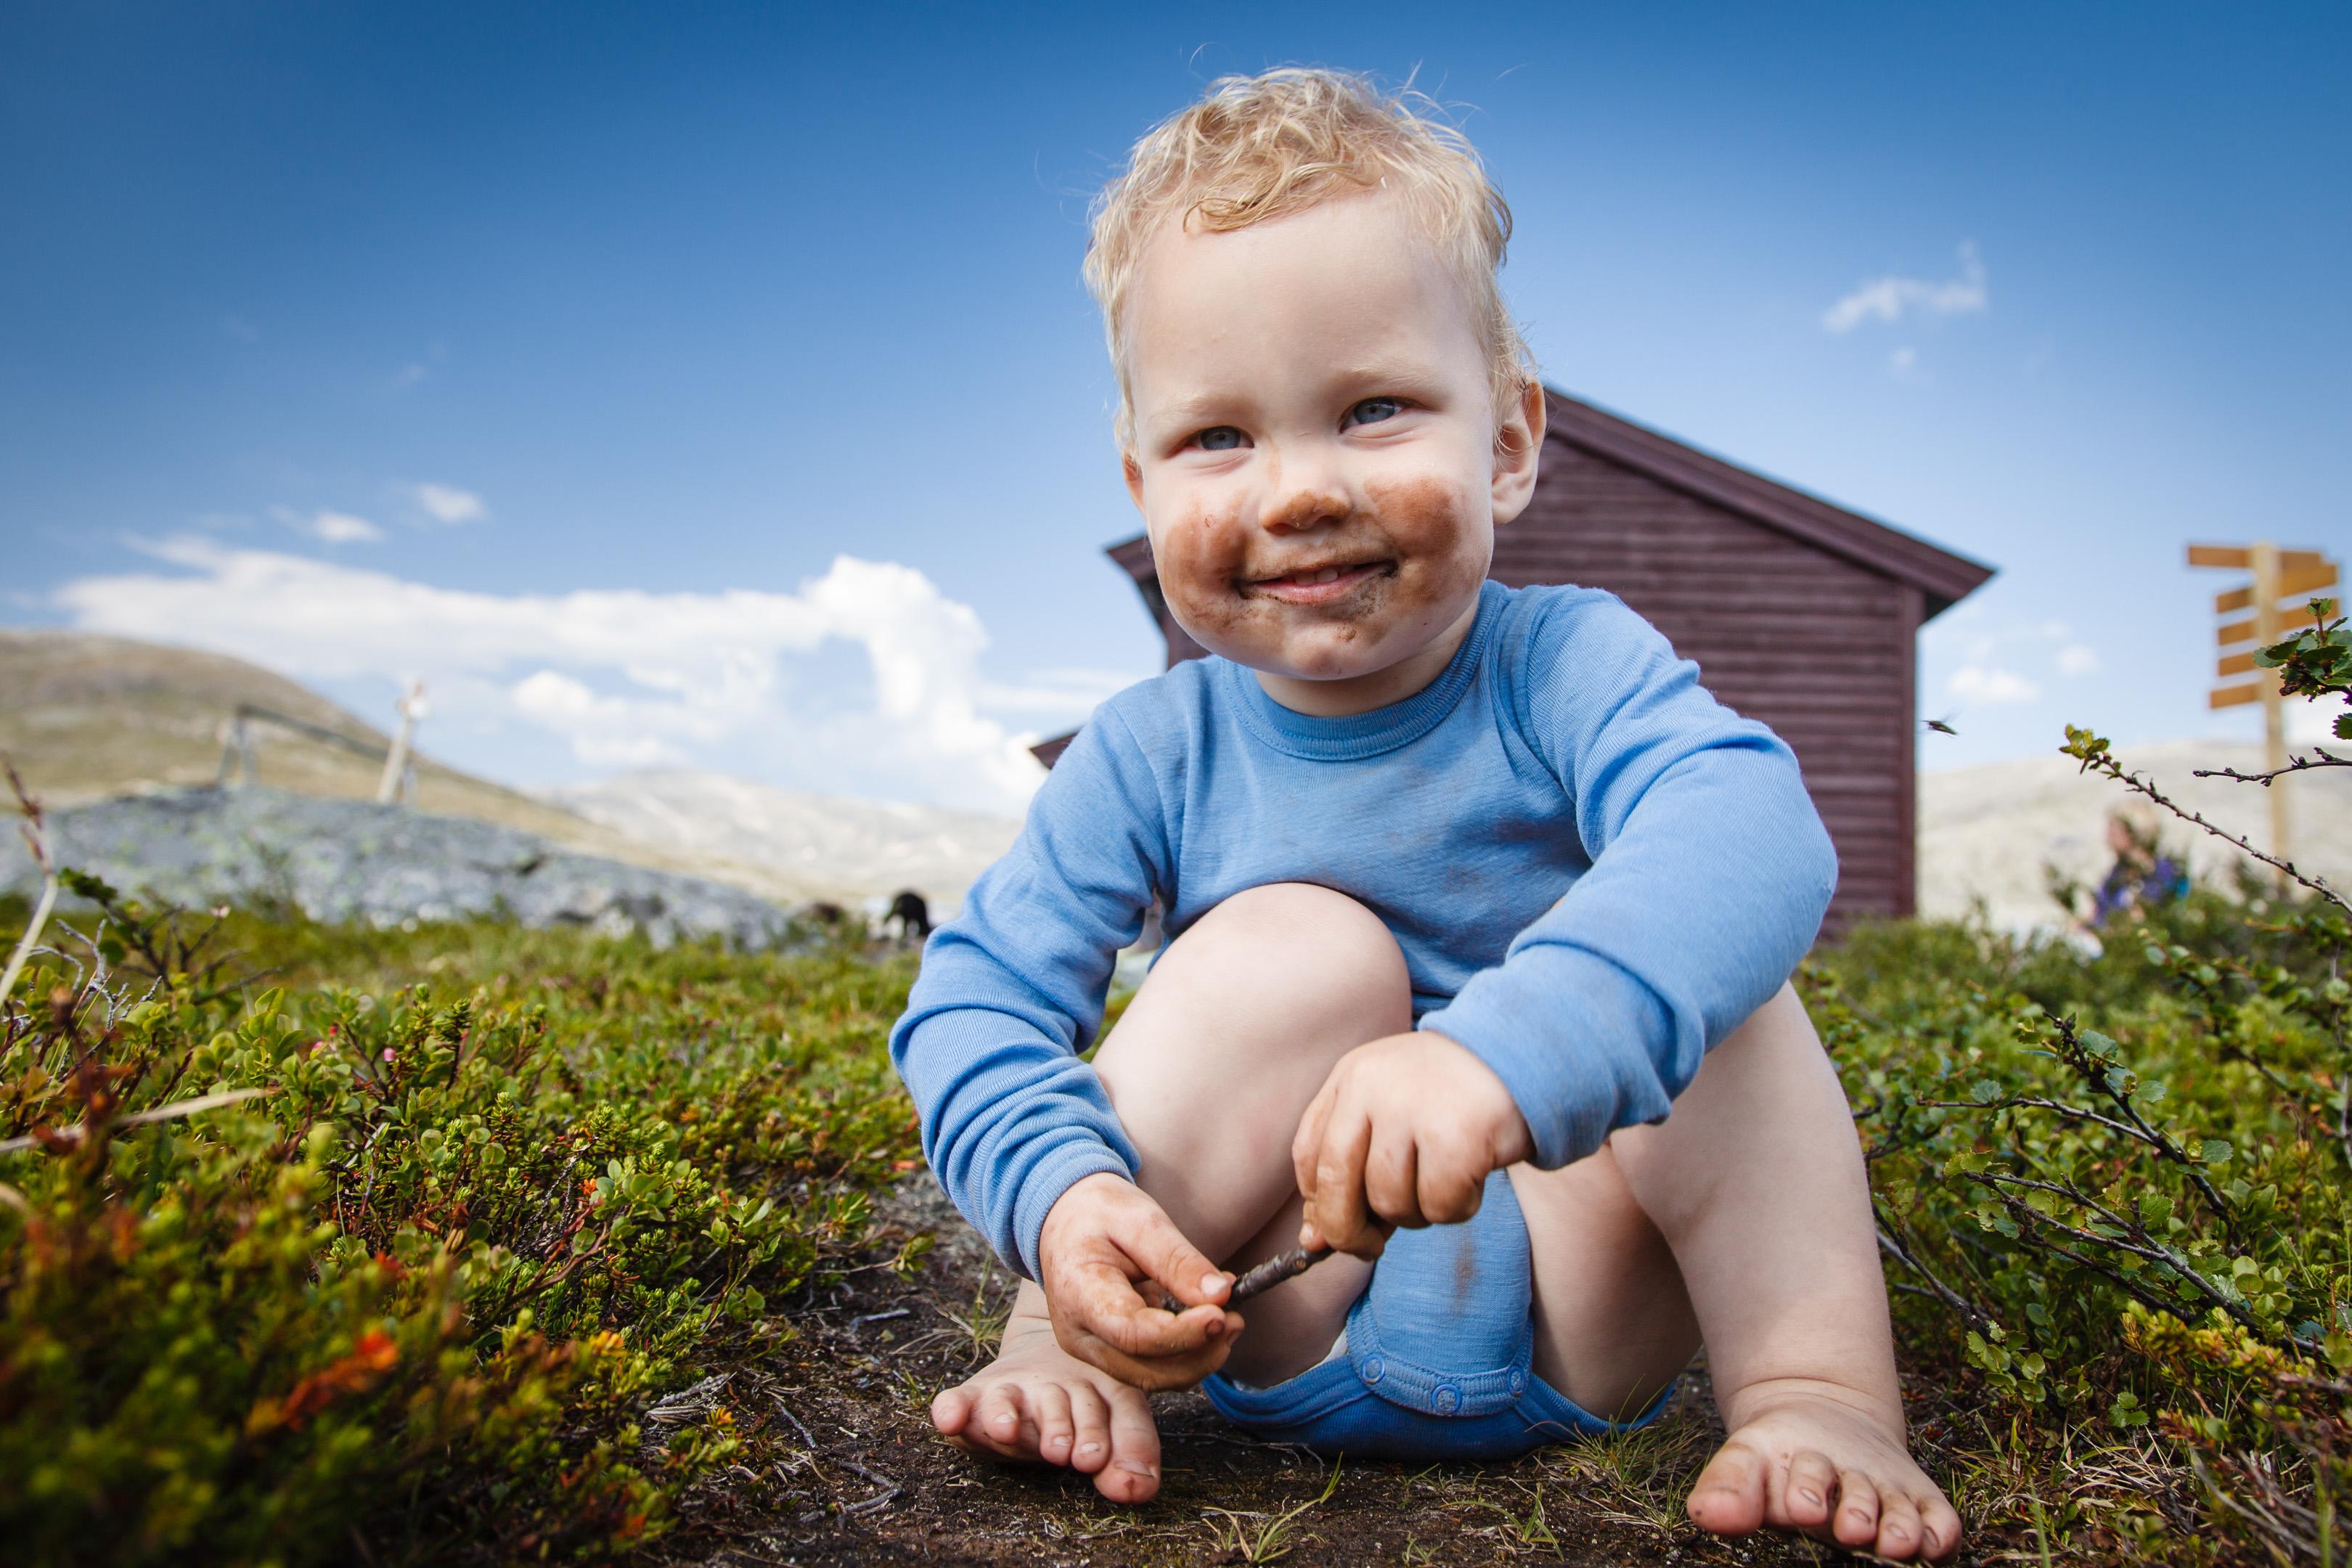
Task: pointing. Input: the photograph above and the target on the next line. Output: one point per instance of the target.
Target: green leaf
(2097, 1044)
(2216, 1151)
(1985, 1091)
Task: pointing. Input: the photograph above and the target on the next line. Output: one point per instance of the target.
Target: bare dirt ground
(861, 1479)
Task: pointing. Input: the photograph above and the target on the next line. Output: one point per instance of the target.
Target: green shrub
(419, 1285)
(2121, 1185)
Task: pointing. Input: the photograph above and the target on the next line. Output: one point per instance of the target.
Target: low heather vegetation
(468, 1243)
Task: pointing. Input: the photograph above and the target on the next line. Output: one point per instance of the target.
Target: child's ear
(1133, 472)
(1518, 440)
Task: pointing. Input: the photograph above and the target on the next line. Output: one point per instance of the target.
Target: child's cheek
(1440, 535)
(1198, 558)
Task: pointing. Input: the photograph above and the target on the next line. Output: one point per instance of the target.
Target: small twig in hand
(1289, 1264)
(1282, 1266)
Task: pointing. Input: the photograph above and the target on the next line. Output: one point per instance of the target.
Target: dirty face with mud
(1316, 458)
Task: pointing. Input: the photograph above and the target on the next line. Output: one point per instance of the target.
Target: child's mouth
(1320, 585)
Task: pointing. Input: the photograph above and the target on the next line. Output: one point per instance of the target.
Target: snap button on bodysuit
(1518, 1383)
(1372, 1369)
(1447, 1399)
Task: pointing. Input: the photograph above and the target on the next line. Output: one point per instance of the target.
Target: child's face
(1315, 457)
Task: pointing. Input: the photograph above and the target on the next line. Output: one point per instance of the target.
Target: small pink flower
(387, 1053)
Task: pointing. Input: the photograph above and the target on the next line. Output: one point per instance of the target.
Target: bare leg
(1210, 1069)
(1745, 1216)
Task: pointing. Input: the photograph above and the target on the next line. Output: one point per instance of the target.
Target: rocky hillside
(87, 717)
(846, 849)
(378, 864)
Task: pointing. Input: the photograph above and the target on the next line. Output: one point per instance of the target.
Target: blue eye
(1219, 438)
(1372, 410)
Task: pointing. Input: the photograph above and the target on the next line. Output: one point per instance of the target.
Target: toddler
(1482, 912)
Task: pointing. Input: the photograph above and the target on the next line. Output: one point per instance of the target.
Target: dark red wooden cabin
(1799, 612)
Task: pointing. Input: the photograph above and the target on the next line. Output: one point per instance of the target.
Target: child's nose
(1303, 492)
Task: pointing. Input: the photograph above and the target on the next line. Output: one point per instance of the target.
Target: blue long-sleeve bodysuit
(1594, 870)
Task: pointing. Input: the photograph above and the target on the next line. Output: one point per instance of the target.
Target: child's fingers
(1392, 1180)
(1146, 1348)
(1112, 1312)
(1306, 1144)
(1335, 1204)
(1449, 1189)
(1147, 1235)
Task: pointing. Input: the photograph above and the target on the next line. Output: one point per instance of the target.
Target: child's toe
(1729, 1497)
(1857, 1512)
(1049, 1407)
(1805, 1496)
(997, 1420)
(1133, 1473)
(1939, 1527)
(1898, 1525)
(950, 1408)
(1090, 1430)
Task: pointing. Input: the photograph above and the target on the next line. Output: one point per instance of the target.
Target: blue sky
(558, 354)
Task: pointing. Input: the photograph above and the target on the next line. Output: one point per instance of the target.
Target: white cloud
(623, 675)
(1890, 299)
(447, 503)
(1990, 686)
(2077, 659)
(331, 527)
(342, 527)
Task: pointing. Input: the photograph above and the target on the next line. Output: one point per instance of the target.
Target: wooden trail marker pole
(395, 760)
(2290, 574)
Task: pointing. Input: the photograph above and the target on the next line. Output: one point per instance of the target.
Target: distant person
(2144, 876)
(1466, 886)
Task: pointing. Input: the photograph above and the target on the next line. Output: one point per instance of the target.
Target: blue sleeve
(1011, 990)
(1710, 874)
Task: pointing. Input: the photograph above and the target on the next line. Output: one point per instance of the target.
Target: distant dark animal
(826, 914)
(913, 916)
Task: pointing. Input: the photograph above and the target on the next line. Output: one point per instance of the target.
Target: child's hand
(1101, 1237)
(1404, 1131)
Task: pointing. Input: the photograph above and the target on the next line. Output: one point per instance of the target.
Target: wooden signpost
(2252, 618)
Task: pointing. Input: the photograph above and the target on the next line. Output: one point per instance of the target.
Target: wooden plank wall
(1814, 645)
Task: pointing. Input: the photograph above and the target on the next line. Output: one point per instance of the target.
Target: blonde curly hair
(1259, 147)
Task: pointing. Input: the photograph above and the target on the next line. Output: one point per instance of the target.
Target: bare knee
(1231, 1035)
(1306, 971)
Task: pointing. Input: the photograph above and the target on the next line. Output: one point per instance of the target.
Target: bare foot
(1814, 1458)
(1037, 1401)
